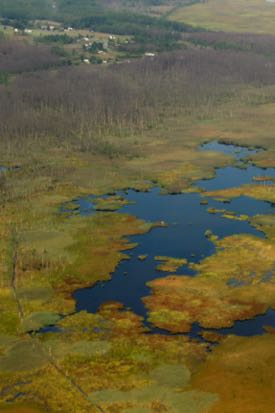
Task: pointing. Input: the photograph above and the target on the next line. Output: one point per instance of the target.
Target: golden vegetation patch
(111, 203)
(266, 224)
(45, 263)
(251, 122)
(228, 214)
(104, 361)
(170, 264)
(177, 176)
(265, 192)
(236, 283)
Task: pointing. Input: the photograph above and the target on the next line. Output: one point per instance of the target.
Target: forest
(73, 102)
(67, 10)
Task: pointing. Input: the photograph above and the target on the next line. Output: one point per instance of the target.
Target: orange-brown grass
(96, 247)
(230, 285)
(265, 223)
(170, 264)
(251, 122)
(101, 352)
(265, 192)
(241, 372)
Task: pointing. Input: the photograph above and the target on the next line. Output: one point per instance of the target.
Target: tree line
(78, 106)
(247, 42)
(18, 56)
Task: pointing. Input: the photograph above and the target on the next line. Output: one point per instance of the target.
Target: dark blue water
(184, 237)
(248, 328)
(238, 152)
(232, 176)
(83, 206)
(251, 327)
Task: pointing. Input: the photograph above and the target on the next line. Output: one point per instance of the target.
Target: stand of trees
(70, 9)
(78, 105)
(19, 56)
(129, 23)
(148, 33)
(261, 44)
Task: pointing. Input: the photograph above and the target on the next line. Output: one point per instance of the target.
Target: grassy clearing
(255, 16)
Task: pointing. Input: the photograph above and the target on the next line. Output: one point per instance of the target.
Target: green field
(255, 16)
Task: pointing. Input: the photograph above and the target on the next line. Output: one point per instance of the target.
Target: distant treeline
(129, 23)
(261, 44)
(80, 105)
(25, 9)
(56, 38)
(100, 15)
(148, 32)
(65, 10)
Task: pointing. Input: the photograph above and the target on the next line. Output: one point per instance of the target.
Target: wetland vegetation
(137, 229)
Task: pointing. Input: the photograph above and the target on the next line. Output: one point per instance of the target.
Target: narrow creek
(184, 237)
